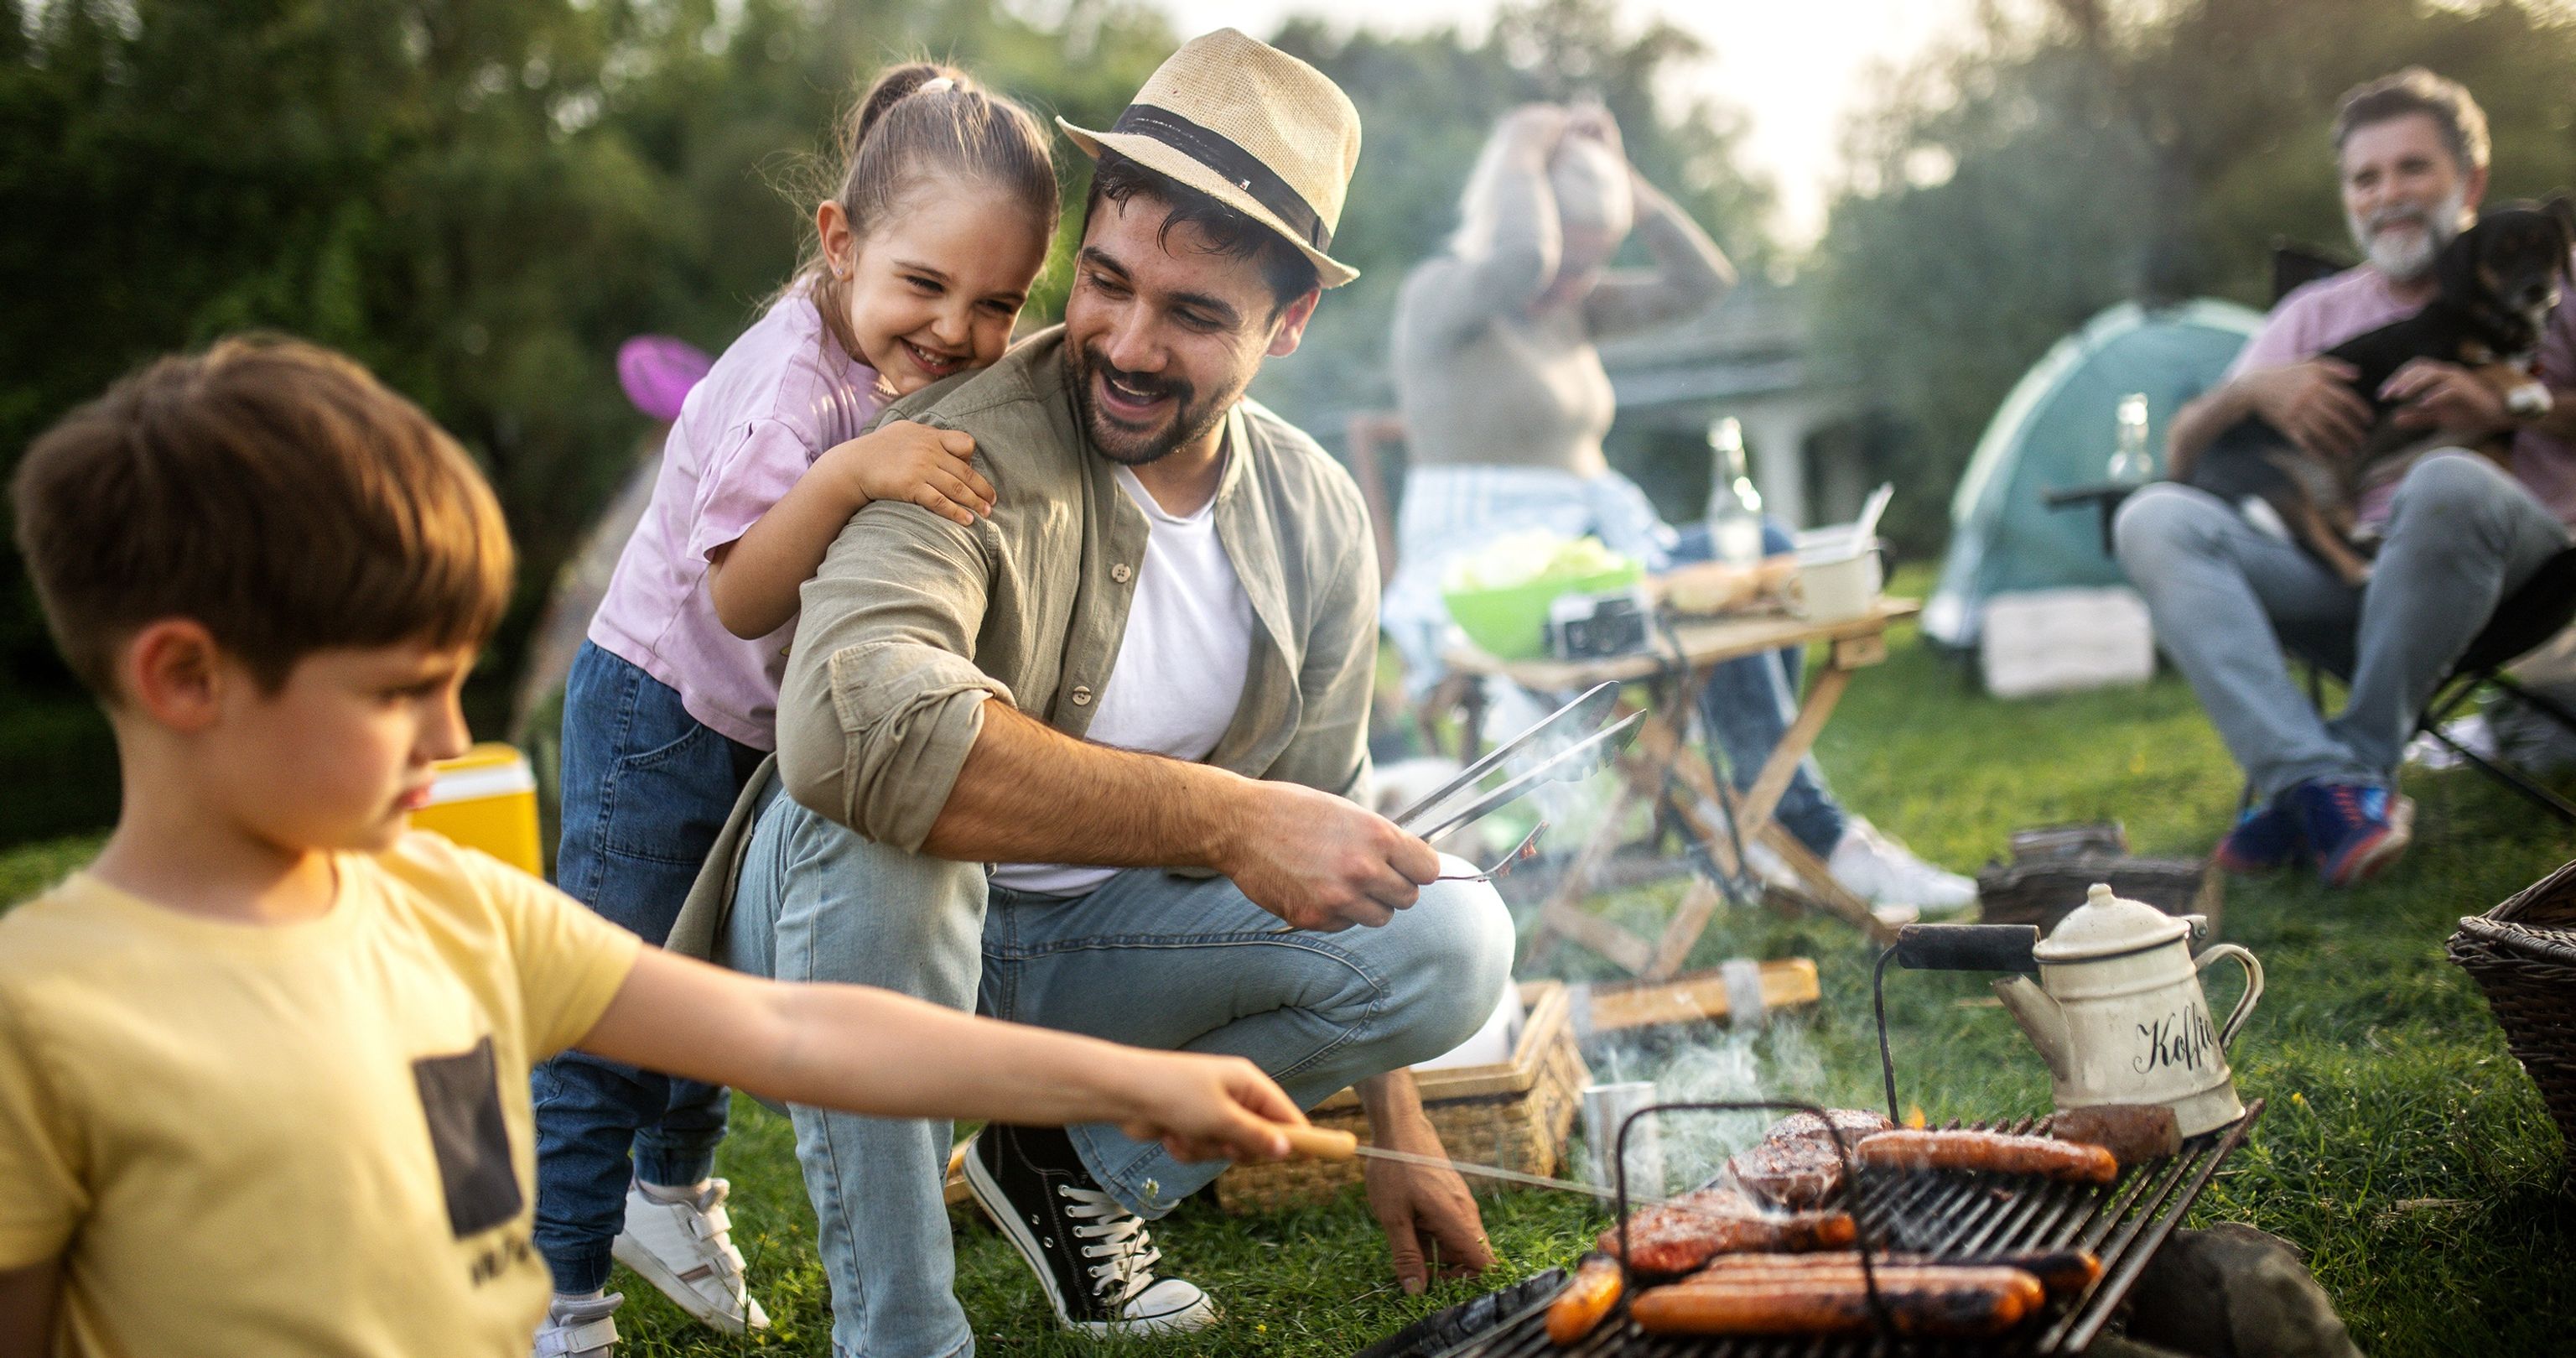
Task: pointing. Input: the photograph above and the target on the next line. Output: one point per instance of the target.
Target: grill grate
(1954, 1215)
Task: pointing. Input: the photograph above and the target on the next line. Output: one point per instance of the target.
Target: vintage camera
(1592, 626)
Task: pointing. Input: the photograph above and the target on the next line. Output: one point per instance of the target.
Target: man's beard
(2407, 258)
(1189, 422)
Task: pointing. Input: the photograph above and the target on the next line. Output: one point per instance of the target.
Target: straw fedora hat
(1252, 127)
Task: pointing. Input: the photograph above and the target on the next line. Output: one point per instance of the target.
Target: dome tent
(2055, 430)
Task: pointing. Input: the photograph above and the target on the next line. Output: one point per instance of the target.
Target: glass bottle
(1734, 506)
(2133, 462)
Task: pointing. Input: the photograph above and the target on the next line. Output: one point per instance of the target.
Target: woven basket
(1513, 1114)
(2523, 954)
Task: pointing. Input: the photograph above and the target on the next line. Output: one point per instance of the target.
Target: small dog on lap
(2497, 283)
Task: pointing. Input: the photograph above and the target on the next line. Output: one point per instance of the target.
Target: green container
(1511, 623)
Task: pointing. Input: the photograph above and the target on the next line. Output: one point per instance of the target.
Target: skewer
(1324, 1143)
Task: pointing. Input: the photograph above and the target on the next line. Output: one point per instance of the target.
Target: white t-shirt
(1180, 667)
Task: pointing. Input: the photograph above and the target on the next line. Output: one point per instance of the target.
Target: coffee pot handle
(2253, 986)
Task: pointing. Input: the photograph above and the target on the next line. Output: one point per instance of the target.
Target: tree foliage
(2057, 160)
(481, 198)
(477, 198)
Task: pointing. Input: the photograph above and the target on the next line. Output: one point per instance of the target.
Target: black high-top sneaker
(1091, 1254)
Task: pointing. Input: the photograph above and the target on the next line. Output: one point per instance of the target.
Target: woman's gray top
(1482, 381)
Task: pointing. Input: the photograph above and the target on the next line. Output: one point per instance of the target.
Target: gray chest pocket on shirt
(462, 1099)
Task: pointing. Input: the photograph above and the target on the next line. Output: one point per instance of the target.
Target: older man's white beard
(2406, 258)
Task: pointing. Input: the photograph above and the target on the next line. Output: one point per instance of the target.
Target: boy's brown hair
(271, 490)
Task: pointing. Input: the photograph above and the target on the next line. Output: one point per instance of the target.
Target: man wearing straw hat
(1074, 764)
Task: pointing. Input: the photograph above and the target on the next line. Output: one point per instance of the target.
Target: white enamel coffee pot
(2119, 1016)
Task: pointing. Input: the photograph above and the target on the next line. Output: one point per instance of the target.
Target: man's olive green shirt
(914, 621)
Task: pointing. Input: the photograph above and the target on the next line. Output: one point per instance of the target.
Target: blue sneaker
(2354, 829)
(2266, 839)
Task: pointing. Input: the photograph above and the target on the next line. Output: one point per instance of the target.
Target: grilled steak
(1795, 1164)
(1681, 1235)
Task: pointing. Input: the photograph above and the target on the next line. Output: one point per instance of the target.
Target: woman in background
(1505, 403)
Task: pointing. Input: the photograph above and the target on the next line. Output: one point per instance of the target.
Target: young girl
(923, 259)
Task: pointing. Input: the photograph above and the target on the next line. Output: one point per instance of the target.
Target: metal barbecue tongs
(1568, 743)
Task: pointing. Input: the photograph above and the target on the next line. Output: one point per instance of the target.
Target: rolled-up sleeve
(882, 698)
(752, 469)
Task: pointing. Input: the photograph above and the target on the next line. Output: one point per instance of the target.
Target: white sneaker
(1772, 870)
(1883, 872)
(579, 1329)
(2470, 731)
(685, 1249)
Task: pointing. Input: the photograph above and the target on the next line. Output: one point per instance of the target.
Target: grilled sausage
(2060, 1272)
(1989, 1152)
(1587, 1298)
(2063, 1272)
(2131, 1132)
(1947, 1304)
(1731, 1271)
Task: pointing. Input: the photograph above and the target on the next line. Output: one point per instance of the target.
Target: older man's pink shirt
(781, 396)
(2323, 314)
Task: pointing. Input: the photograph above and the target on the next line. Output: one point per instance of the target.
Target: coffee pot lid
(2107, 925)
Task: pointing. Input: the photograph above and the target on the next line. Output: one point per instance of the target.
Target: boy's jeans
(645, 790)
(1149, 958)
(2225, 596)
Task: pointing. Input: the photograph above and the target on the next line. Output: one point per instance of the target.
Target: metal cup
(1604, 1108)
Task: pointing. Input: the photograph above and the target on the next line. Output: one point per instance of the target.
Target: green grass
(2404, 1148)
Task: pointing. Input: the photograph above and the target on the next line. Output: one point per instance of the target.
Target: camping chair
(2523, 623)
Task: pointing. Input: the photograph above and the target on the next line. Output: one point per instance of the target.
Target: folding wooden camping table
(1662, 762)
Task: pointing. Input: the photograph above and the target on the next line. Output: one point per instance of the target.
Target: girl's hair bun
(895, 85)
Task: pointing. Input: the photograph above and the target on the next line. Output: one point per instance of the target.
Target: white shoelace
(1129, 1251)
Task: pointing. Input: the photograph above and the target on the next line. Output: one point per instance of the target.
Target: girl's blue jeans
(646, 788)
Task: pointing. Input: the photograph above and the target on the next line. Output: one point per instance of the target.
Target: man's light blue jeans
(1149, 959)
(2226, 596)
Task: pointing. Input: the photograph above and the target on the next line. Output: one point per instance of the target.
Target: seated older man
(1075, 764)
(2460, 532)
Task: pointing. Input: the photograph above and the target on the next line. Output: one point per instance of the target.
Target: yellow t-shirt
(308, 1138)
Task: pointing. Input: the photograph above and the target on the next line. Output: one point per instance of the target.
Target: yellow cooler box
(487, 799)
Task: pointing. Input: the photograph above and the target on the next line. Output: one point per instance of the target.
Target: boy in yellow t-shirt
(264, 1064)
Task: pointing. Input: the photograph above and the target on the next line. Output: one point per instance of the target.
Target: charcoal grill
(1943, 1214)
(1949, 1215)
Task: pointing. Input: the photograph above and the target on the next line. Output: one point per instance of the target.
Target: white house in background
(1748, 359)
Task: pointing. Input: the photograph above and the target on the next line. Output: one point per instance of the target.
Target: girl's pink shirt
(779, 397)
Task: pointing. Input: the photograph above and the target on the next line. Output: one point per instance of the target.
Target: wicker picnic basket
(1514, 1114)
(2523, 954)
